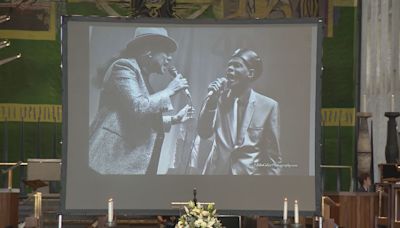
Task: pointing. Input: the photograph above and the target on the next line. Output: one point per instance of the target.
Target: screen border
(64, 69)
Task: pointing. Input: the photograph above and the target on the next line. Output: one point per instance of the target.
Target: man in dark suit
(365, 182)
(244, 123)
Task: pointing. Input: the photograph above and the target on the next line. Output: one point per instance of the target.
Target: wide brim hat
(146, 38)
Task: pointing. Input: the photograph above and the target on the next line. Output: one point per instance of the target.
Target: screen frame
(318, 70)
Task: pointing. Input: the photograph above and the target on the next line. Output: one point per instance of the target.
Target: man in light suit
(243, 123)
(128, 130)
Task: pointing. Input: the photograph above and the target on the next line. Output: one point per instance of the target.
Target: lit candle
(285, 209)
(392, 104)
(110, 210)
(59, 221)
(296, 212)
(364, 103)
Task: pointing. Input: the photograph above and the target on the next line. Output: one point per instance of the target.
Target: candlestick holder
(391, 149)
(102, 221)
(113, 223)
(285, 222)
(297, 225)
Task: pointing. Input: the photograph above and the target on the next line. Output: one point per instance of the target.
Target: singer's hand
(177, 84)
(185, 114)
(216, 87)
(214, 91)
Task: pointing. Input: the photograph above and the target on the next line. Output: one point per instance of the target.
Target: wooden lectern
(9, 199)
(357, 209)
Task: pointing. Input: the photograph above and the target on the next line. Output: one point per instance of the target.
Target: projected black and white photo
(127, 133)
(212, 106)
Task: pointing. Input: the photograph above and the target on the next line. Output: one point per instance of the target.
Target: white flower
(196, 211)
(205, 213)
(198, 223)
(186, 210)
(191, 204)
(196, 216)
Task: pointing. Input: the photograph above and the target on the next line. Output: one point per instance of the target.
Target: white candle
(110, 217)
(392, 104)
(296, 212)
(38, 205)
(364, 103)
(59, 221)
(285, 208)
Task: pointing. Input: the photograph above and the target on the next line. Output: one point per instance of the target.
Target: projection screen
(122, 131)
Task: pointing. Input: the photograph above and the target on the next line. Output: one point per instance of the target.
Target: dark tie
(239, 116)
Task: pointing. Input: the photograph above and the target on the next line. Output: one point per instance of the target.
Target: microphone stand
(194, 197)
(186, 129)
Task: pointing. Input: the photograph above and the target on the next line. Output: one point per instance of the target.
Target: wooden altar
(9, 199)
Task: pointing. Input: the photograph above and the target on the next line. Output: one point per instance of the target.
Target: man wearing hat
(243, 123)
(127, 133)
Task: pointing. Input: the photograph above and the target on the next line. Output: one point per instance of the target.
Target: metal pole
(5, 144)
(22, 158)
(38, 138)
(55, 139)
(339, 155)
(372, 152)
(10, 179)
(323, 155)
(52, 184)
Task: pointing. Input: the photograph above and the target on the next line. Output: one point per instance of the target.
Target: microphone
(174, 72)
(224, 84)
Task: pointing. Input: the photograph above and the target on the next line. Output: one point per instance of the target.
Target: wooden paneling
(356, 210)
(390, 203)
(9, 208)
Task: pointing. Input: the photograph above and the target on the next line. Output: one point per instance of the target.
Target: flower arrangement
(198, 216)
